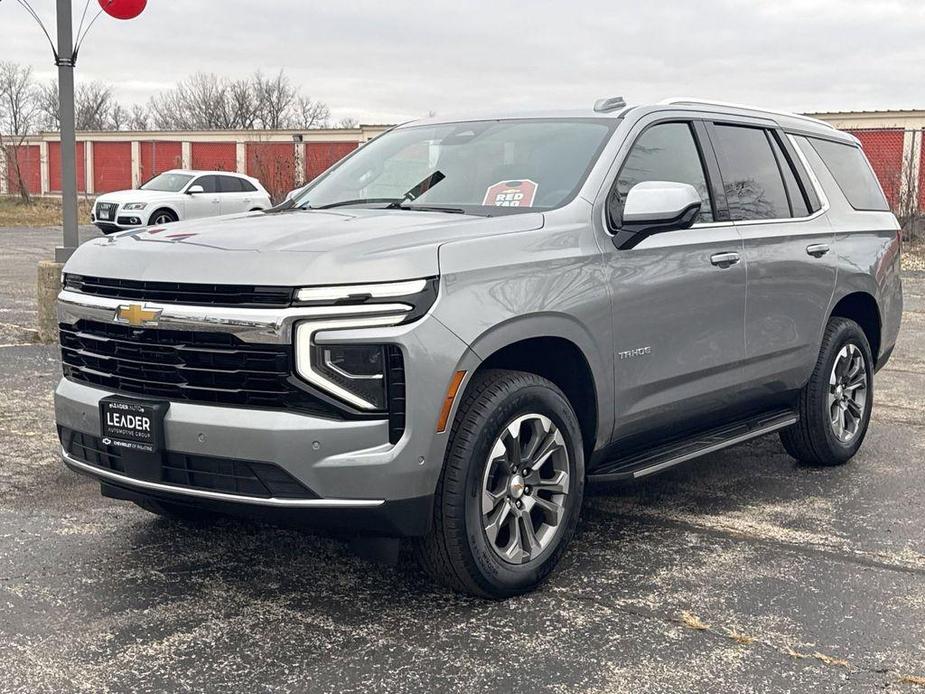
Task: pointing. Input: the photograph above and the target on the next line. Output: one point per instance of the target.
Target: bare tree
(138, 119)
(93, 104)
(118, 118)
(275, 100)
(19, 112)
(206, 101)
(47, 96)
(93, 107)
(348, 123)
(309, 114)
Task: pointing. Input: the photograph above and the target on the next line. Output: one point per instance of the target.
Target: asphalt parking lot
(740, 572)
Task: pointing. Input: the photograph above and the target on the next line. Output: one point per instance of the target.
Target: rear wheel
(835, 405)
(510, 493)
(162, 217)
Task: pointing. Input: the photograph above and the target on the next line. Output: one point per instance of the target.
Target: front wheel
(511, 489)
(162, 217)
(835, 405)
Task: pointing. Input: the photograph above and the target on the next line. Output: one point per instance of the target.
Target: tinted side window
(851, 171)
(209, 183)
(229, 184)
(798, 204)
(753, 183)
(246, 186)
(666, 152)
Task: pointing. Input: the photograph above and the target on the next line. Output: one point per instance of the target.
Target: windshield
(167, 182)
(482, 167)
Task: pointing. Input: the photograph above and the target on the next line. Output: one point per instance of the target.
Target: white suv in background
(179, 194)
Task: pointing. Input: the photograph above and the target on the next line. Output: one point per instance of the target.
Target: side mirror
(653, 207)
(192, 190)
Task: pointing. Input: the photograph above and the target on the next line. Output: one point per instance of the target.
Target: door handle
(724, 260)
(216, 201)
(817, 250)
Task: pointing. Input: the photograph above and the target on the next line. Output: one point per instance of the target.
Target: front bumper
(347, 464)
(122, 221)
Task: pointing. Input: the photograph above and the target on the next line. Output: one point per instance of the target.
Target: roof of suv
(788, 121)
(199, 172)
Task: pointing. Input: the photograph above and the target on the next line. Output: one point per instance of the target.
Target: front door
(678, 297)
(205, 204)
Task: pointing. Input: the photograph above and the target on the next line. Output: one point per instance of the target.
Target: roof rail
(707, 102)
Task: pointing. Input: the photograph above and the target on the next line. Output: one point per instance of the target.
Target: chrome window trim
(217, 496)
(256, 325)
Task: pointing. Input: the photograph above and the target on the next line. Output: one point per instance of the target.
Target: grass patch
(41, 212)
(914, 255)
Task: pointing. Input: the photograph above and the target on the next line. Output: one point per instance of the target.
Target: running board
(667, 455)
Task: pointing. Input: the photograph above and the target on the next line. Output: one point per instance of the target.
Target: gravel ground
(740, 572)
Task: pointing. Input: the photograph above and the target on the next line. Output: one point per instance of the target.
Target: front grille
(108, 208)
(182, 293)
(244, 478)
(201, 367)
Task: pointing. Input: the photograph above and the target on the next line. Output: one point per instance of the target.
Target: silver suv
(452, 331)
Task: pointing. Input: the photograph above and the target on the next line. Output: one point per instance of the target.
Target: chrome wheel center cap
(516, 486)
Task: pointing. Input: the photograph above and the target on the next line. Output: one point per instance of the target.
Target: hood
(124, 196)
(290, 248)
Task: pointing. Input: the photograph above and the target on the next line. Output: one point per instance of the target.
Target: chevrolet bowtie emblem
(137, 315)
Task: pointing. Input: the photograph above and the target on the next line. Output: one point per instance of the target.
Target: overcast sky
(391, 61)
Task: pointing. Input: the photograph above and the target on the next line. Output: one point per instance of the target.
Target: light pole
(65, 60)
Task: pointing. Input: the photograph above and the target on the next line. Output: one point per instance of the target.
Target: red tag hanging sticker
(511, 194)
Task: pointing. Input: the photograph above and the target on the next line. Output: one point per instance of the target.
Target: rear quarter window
(850, 169)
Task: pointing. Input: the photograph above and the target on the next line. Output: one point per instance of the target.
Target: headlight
(135, 206)
(413, 298)
(356, 373)
(358, 370)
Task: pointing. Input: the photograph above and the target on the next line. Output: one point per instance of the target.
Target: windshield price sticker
(511, 194)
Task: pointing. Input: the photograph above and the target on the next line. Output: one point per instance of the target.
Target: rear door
(789, 250)
(679, 296)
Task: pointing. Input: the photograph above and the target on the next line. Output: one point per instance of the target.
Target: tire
(178, 512)
(815, 439)
(162, 216)
(477, 484)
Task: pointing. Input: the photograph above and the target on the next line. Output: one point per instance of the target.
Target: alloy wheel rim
(525, 486)
(162, 219)
(847, 396)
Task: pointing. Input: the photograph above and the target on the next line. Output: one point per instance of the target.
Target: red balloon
(123, 9)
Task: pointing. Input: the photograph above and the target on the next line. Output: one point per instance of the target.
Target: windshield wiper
(358, 201)
(419, 190)
(399, 203)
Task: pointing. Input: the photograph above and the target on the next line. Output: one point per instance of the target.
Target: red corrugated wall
(29, 158)
(921, 135)
(112, 166)
(54, 167)
(220, 156)
(158, 157)
(321, 155)
(884, 149)
(273, 163)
